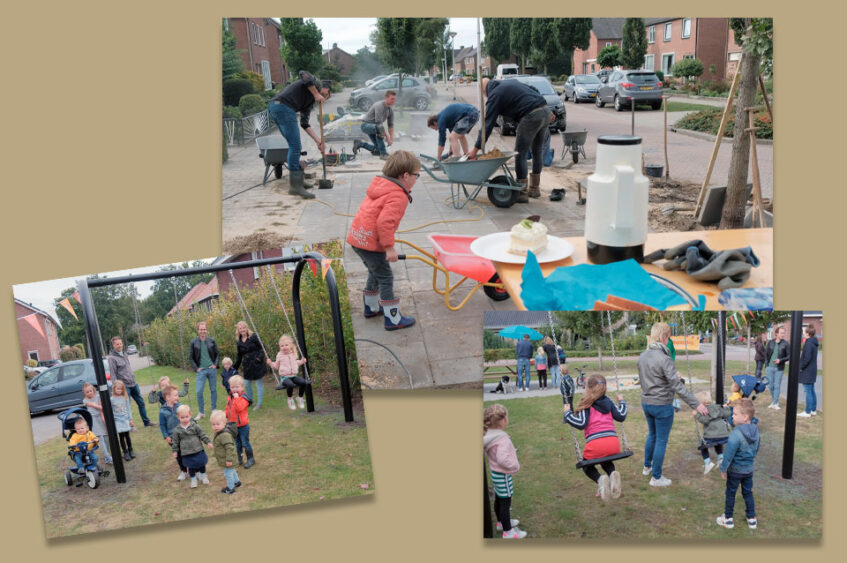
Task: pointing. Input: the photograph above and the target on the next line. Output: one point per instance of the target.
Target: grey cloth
(530, 136)
(119, 368)
(659, 379)
(378, 113)
(729, 268)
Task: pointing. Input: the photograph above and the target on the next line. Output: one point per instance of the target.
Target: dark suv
(544, 87)
(627, 86)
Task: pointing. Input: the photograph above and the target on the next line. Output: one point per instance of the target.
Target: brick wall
(584, 59)
(258, 39)
(31, 340)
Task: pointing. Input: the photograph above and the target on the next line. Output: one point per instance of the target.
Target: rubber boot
(534, 185)
(131, 453)
(393, 319)
(309, 175)
(240, 459)
(250, 461)
(523, 195)
(295, 178)
(372, 306)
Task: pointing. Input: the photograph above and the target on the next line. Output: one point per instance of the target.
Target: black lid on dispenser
(619, 140)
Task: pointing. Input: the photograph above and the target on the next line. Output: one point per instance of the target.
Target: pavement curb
(710, 137)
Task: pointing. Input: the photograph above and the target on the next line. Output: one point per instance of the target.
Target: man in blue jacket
(459, 119)
(529, 109)
(523, 351)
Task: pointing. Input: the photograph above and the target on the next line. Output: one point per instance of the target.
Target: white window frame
(608, 43)
(262, 35)
(256, 270)
(668, 31)
(686, 22)
(226, 24)
(670, 66)
(651, 34)
(688, 56)
(652, 59)
(30, 353)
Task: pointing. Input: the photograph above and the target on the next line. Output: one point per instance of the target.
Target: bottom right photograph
(644, 425)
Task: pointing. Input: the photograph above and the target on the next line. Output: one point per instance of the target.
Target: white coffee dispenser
(616, 210)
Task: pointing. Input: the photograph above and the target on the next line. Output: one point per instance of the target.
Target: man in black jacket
(776, 355)
(204, 359)
(529, 109)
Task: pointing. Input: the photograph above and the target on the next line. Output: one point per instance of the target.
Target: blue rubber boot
(393, 319)
(372, 306)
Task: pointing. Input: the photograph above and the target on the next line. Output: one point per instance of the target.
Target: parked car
(61, 386)
(544, 87)
(33, 371)
(132, 349)
(603, 75)
(416, 93)
(581, 87)
(48, 363)
(626, 86)
(375, 79)
(504, 70)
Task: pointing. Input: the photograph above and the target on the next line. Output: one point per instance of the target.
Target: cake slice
(529, 234)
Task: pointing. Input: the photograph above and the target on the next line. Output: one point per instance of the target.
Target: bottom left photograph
(193, 389)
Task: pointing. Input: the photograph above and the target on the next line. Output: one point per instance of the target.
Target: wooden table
(760, 239)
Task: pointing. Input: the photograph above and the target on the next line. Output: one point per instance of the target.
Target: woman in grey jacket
(659, 382)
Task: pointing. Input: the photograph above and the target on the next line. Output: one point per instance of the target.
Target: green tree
(396, 45)
(429, 45)
(545, 42)
(571, 33)
(520, 39)
(634, 43)
(609, 57)
(496, 44)
(366, 64)
(687, 69)
(301, 47)
(231, 62)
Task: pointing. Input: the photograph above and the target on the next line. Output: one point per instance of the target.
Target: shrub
(252, 103)
(255, 79)
(232, 112)
(234, 88)
(661, 75)
(688, 68)
(67, 354)
(708, 121)
(30, 363)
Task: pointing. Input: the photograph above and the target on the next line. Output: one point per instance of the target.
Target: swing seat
(598, 460)
(704, 445)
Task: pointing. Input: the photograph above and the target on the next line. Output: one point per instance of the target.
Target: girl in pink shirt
(596, 415)
(503, 463)
(288, 365)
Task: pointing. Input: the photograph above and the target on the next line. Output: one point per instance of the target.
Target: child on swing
(715, 429)
(156, 396)
(287, 365)
(503, 463)
(596, 414)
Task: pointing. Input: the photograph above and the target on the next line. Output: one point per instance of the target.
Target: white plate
(496, 245)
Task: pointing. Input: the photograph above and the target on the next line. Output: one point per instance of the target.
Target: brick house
(259, 40)
(604, 32)
(342, 60)
(464, 60)
(670, 40)
(810, 318)
(39, 346)
(201, 296)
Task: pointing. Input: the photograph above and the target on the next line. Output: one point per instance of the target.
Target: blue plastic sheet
(576, 288)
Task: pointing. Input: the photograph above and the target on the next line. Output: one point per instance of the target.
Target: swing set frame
(94, 338)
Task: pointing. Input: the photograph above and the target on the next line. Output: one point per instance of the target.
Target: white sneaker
(194, 482)
(301, 402)
(514, 534)
(777, 407)
(660, 482)
(513, 521)
(646, 470)
(709, 466)
(752, 523)
(814, 413)
(603, 488)
(725, 522)
(199, 416)
(182, 476)
(616, 484)
(804, 415)
(204, 479)
(291, 404)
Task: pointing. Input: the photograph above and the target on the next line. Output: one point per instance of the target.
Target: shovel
(323, 184)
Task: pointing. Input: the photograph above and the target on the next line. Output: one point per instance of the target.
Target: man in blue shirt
(459, 119)
(523, 351)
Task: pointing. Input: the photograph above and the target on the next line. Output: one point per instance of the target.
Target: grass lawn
(686, 106)
(300, 457)
(554, 499)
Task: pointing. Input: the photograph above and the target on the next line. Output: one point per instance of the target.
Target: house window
(33, 355)
(668, 31)
(608, 43)
(686, 28)
(226, 24)
(688, 56)
(256, 270)
(667, 64)
(649, 61)
(592, 67)
(261, 35)
(651, 34)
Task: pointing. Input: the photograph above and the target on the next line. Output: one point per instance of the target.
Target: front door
(266, 74)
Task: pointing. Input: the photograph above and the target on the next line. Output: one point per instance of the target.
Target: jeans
(659, 422)
(260, 390)
(135, 394)
(530, 135)
(523, 372)
(286, 119)
(231, 476)
(242, 441)
(759, 366)
(775, 379)
(380, 276)
(92, 460)
(370, 129)
(555, 374)
(746, 482)
(202, 375)
(811, 397)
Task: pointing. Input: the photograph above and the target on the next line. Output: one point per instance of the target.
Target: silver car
(581, 87)
(626, 86)
(416, 93)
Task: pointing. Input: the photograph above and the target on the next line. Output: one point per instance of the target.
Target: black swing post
(791, 401)
(720, 358)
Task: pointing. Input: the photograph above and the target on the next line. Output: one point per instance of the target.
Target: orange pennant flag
(33, 321)
(325, 263)
(66, 303)
(76, 296)
(313, 265)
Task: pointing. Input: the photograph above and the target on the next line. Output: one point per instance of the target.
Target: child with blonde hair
(715, 429)
(224, 447)
(123, 418)
(168, 421)
(83, 435)
(737, 465)
(188, 439)
(91, 400)
(541, 367)
(155, 395)
(736, 394)
(227, 371)
(236, 413)
(287, 365)
(503, 463)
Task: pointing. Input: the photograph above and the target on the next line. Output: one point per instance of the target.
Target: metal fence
(241, 130)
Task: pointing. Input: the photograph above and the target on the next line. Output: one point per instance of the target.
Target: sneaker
(291, 404)
(227, 491)
(776, 407)
(182, 476)
(237, 484)
(752, 523)
(709, 466)
(513, 521)
(514, 534)
(194, 482)
(814, 413)
(110, 461)
(301, 402)
(804, 415)
(204, 479)
(725, 522)
(660, 482)
(383, 157)
(256, 407)
(616, 484)
(603, 488)
(199, 416)
(646, 470)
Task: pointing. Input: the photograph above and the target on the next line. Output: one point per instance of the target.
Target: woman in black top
(760, 355)
(251, 353)
(552, 361)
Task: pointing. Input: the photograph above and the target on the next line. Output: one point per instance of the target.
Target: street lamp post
(452, 35)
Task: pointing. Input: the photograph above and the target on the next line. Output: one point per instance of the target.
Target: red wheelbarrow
(452, 254)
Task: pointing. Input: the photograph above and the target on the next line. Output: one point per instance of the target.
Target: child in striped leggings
(503, 463)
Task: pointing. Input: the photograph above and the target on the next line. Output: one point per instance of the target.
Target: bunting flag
(33, 322)
(66, 303)
(325, 263)
(76, 296)
(313, 265)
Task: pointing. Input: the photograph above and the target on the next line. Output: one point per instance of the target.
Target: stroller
(750, 385)
(91, 473)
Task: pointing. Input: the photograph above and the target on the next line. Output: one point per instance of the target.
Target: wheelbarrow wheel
(575, 152)
(501, 197)
(495, 293)
(278, 171)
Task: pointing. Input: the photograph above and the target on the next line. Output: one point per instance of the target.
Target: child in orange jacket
(236, 413)
(372, 234)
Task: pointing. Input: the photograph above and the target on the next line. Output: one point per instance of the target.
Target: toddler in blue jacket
(737, 465)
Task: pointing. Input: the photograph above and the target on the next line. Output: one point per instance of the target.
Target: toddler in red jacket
(372, 234)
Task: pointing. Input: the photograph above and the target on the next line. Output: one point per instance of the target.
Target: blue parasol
(517, 332)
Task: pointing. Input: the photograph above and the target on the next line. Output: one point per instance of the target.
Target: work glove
(729, 268)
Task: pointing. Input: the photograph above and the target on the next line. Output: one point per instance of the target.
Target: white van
(505, 70)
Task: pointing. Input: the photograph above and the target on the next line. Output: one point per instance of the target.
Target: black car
(61, 386)
(544, 87)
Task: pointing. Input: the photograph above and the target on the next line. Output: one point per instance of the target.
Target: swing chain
(573, 435)
(287, 320)
(688, 368)
(624, 441)
(250, 319)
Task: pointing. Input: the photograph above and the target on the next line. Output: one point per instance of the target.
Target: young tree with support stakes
(609, 57)
(634, 43)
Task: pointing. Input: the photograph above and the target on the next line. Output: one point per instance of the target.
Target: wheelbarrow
(467, 178)
(574, 141)
(452, 254)
(273, 149)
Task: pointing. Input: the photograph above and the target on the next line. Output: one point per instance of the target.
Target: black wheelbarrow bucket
(273, 150)
(574, 142)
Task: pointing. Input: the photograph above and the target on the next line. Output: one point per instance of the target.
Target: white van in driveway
(505, 70)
